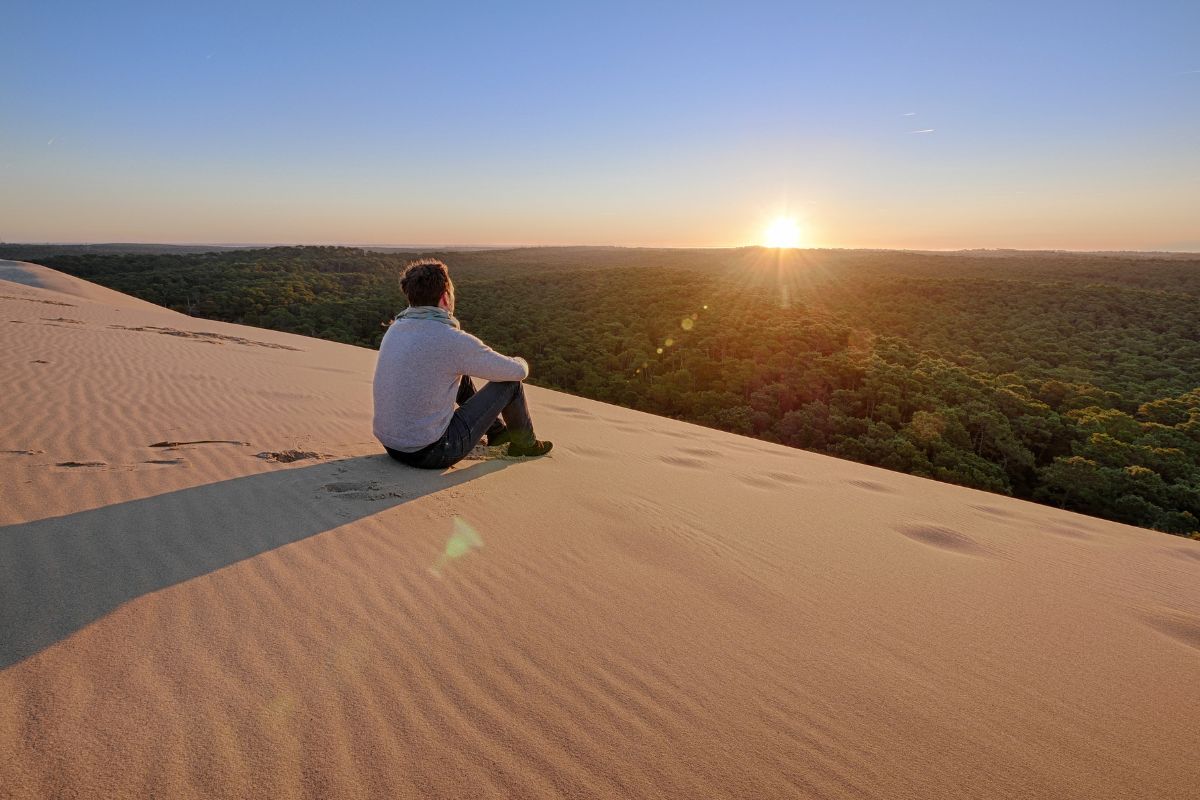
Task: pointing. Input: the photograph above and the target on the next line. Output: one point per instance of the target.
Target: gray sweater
(421, 362)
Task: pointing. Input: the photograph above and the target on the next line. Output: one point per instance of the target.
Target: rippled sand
(212, 584)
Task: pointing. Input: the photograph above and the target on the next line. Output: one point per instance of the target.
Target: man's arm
(480, 361)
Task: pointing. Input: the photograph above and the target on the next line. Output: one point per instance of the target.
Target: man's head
(426, 282)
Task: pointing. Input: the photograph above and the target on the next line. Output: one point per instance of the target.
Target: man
(425, 366)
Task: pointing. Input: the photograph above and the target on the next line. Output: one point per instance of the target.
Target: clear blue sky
(1053, 124)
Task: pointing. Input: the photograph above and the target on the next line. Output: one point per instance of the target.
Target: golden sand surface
(214, 584)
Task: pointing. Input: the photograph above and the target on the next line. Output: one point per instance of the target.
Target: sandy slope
(656, 610)
(26, 274)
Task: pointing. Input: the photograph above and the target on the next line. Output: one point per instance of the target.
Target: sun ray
(782, 232)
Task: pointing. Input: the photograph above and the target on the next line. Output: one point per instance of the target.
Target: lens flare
(463, 539)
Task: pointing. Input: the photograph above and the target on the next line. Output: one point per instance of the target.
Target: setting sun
(783, 232)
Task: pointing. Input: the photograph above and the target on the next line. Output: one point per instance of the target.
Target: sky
(914, 125)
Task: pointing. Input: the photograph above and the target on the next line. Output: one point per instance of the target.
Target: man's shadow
(60, 574)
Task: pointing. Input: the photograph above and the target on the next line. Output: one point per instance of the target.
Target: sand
(654, 610)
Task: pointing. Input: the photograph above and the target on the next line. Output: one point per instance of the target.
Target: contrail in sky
(923, 130)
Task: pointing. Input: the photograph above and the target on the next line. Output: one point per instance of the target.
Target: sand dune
(26, 274)
(655, 610)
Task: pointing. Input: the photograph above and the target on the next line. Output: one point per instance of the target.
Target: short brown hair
(423, 282)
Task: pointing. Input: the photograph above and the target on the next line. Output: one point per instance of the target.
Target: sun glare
(783, 232)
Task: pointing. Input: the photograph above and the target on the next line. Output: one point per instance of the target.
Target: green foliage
(1122, 471)
(1065, 379)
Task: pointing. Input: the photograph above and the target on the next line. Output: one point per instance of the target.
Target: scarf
(435, 313)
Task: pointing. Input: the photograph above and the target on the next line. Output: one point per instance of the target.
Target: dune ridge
(655, 610)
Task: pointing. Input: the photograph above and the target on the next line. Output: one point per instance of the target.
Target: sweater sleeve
(480, 361)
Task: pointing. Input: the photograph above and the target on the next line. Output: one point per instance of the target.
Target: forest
(1063, 378)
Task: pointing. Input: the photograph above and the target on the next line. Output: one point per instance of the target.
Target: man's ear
(444, 301)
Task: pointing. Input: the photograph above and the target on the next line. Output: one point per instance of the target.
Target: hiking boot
(528, 448)
(497, 437)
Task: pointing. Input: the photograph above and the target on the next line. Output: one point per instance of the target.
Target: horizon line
(464, 247)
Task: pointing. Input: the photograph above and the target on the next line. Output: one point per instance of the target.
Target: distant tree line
(1064, 379)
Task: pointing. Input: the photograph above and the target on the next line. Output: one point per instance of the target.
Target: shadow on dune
(17, 272)
(60, 574)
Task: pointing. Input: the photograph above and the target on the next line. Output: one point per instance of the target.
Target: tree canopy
(1067, 379)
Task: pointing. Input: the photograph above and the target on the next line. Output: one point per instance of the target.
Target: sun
(783, 232)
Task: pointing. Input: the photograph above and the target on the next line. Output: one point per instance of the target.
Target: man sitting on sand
(425, 366)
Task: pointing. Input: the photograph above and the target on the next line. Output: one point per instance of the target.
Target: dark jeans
(477, 414)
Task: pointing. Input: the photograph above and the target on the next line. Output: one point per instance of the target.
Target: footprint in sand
(1182, 627)
(205, 337)
(351, 486)
(173, 445)
(771, 480)
(757, 481)
(82, 464)
(684, 461)
(35, 300)
(164, 461)
(871, 486)
(995, 512)
(942, 538)
(702, 452)
(288, 456)
(361, 490)
(1068, 532)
